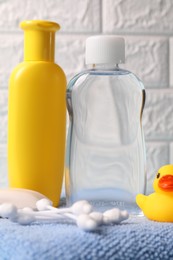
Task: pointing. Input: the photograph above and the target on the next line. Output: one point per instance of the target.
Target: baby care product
(37, 114)
(105, 161)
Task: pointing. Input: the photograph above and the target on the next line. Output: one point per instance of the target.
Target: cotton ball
(97, 216)
(81, 207)
(113, 215)
(8, 210)
(27, 210)
(124, 215)
(86, 223)
(43, 204)
(25, 219)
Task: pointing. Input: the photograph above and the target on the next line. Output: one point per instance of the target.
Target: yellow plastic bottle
(37, 114)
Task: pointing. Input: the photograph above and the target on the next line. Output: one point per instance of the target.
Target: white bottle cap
(108, 49)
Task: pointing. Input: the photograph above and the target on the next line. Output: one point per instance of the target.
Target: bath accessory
(37, 114)
(158, 206)
(77, 208)
(86, 221)
(105, 160)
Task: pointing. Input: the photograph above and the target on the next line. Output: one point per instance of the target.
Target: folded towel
(136, 238)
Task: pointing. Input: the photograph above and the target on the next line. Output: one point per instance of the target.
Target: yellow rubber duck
(158, 206)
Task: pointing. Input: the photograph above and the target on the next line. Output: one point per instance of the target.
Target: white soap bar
(21, 198)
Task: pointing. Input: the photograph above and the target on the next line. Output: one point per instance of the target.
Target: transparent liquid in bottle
(105, 161)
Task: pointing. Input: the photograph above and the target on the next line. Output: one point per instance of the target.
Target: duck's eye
(158, 175)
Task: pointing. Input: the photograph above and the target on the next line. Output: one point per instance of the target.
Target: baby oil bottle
(105, 161)
(37, 114)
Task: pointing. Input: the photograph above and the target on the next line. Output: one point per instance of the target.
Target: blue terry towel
(136, 238)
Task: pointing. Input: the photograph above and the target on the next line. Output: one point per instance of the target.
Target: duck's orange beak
(166, 183)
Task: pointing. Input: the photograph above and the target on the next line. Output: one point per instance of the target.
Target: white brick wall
(137, 16)
(157, 155)
(171, 61)
(3, 166)
(148, 58)
(148, 29)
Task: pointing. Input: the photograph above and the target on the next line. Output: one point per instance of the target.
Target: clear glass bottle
(105, 162)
